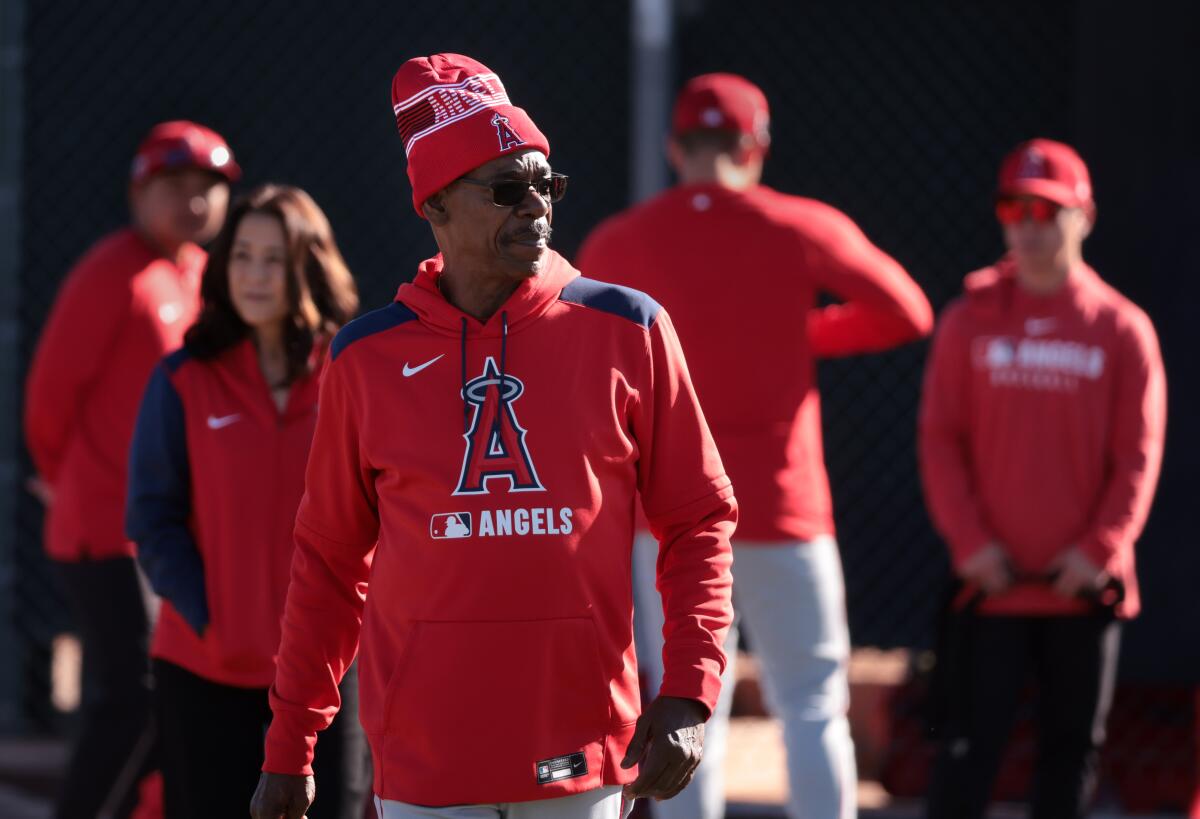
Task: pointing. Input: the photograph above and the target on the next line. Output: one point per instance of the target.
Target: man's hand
(1074, 572)
(668, 741)
(41, 490)
(988, 569)
(282, 796)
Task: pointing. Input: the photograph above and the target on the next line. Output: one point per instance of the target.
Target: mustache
(536, 230)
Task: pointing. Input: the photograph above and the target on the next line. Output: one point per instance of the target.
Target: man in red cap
(123, 306)
(469, 508)
(1041, 435)
(742, 266)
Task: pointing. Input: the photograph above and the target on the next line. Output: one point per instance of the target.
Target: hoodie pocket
(474, 690)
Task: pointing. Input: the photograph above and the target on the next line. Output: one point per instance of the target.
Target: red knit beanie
(454, 115)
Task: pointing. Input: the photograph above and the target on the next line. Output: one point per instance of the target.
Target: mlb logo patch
(450, 526)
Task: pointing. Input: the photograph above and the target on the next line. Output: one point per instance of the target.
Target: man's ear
(1090, 212)
(434, 209)
(748, 149)
(676, 156)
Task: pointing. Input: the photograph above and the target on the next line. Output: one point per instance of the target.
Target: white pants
(791, 599)
(601, 803)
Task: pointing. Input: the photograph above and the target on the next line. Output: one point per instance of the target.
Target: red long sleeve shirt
(1041, 428)
(122, 308)
(741, 272)
(496, 465)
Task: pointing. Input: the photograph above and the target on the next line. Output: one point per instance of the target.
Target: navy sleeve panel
(159, 501)
(385, 318)
(176, 359)
(625, 302)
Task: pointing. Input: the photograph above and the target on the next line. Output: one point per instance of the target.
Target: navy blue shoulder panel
(625, 302)
(385, 318)
(175, 360)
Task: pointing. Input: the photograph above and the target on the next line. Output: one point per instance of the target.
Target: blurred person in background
(124, 305)
(216, 472)
(741, 266)
(1041, 435)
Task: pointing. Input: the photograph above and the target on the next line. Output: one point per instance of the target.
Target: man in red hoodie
(742, 266)
(123, 306)
(1041, 435)
(469, 508)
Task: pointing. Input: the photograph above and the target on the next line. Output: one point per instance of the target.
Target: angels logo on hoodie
(495, 441)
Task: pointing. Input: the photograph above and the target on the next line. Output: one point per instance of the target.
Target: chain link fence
(302, 92)
(897, 113)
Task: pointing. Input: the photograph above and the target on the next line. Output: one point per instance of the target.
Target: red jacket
(741, 272)
(121, 309)
(497, 467)
(1041, 428)
(215, 475)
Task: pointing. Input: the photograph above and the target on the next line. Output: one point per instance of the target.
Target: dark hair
(710, 139)
(320, 290)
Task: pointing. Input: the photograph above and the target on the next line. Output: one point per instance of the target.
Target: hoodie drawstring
(503, 356)
(466, 403)
(503, 365)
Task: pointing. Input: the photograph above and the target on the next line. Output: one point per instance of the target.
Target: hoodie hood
(528, 302)
(532, 298)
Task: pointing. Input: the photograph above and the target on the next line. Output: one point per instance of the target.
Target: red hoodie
(216, 472)
(742, 271)
(121, 309)
(497, 465)
(1041, 428)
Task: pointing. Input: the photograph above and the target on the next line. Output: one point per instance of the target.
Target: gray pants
(790, 597)
(602, 803)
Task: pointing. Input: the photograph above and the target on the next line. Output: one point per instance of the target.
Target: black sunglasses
(509, 193)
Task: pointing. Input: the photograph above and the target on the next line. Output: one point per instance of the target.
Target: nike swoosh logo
(225, 420)
(414, 370)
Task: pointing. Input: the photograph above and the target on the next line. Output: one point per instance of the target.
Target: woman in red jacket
(216, 473)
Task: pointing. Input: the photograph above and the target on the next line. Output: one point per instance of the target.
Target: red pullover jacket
(742, 271)
(497, 467)
(121, 309)
(1041, 427)
(215, 475)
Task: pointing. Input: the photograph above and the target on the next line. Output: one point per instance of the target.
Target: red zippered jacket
(216, 473)
(741, 271)
(1041, 428)
(122, 308)
(497, 465)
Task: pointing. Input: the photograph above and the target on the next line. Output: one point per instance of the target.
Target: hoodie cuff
(289, 748)
(700, 682)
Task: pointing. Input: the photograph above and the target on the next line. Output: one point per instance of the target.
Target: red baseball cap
(454, 115)
(1049, 170)
(183, 144)
(722, 102)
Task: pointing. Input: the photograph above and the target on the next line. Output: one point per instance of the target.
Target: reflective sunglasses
(509, 193)
(1015, 211)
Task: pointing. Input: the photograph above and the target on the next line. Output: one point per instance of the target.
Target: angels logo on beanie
(453, 115)
(508, 137)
